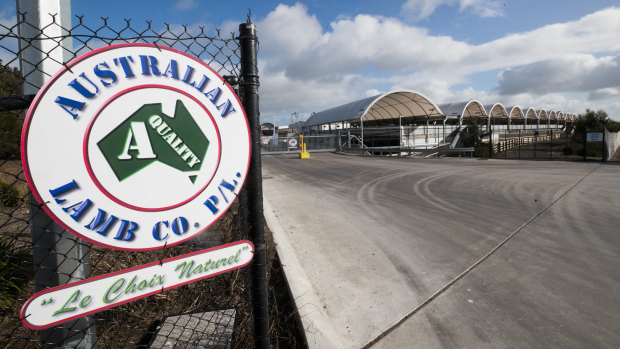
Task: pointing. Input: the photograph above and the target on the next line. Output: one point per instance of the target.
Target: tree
(592, 121)
(613, 126)
(472, 137)
(10, 123)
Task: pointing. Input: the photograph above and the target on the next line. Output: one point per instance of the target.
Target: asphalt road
(366, 241)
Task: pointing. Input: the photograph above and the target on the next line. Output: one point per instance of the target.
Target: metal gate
(544, 144)
(292, 143)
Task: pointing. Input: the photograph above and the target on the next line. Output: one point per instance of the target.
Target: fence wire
(201, 314)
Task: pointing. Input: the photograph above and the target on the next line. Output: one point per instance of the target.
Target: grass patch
(15, 271)
(569, 150)
(9, 195)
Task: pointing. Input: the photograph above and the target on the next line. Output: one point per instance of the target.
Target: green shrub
(15, 271)
(9, 195)
(481, 150)
(569, 150)
(592, 152)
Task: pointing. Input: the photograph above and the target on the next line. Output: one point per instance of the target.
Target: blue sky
(317, 54)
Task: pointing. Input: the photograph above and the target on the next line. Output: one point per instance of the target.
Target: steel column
(59, 256)
(254, 184)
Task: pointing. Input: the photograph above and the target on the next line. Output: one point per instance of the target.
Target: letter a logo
(138, 132)
(149, 135)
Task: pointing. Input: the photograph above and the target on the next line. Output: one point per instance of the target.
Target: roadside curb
(318, 327)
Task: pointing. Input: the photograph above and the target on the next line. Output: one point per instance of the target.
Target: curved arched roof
(496, 111)
(516, 113)
(542, 114)
(530, 114)
(560, 115)
(552, 115)
(467, 109)
(386, 106)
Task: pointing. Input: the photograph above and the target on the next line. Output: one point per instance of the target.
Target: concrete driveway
(448, 253)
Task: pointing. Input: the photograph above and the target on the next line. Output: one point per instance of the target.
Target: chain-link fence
(37, 254)
(543, 144)
(293, 143)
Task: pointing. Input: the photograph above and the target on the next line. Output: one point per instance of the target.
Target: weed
(9, 195)
(15, 271)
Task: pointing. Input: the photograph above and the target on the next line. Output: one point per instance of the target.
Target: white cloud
(551, 101)
(597, 32)
(307, 68)
(9, 47)
(289, 30)
(283, 95)
(185, 5)
(483, 8)
(229, 29)
(603, 93)
(572, 73)
(294, 42)
(7, 19)
(371, 92)
(421, 9)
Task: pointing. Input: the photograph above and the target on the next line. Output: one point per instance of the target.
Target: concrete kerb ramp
(316, 323)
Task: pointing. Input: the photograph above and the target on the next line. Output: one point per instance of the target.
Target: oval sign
(136, 146)
(68, 302)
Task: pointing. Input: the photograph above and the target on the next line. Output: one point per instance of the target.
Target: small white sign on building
(594, 137)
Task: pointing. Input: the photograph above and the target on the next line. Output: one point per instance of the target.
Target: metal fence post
(604, 146)
(339, 141)
(400, 133)
(490, 142)
(551, 142)
(249, 93)
(505, 142)
(585, 145)
(520, 141)
(362, 130)
(59, 257)
(349, 139)
(566, 145)
(535, 143)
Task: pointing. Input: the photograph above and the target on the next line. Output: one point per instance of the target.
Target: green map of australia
(148, 135)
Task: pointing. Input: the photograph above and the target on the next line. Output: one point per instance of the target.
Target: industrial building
(408, 119)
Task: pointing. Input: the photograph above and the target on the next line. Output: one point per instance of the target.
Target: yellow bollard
(304, 154)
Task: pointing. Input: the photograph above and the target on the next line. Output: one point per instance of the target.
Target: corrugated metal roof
(408, 104)
(386, 106)
(345, 112)
(465, 109)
